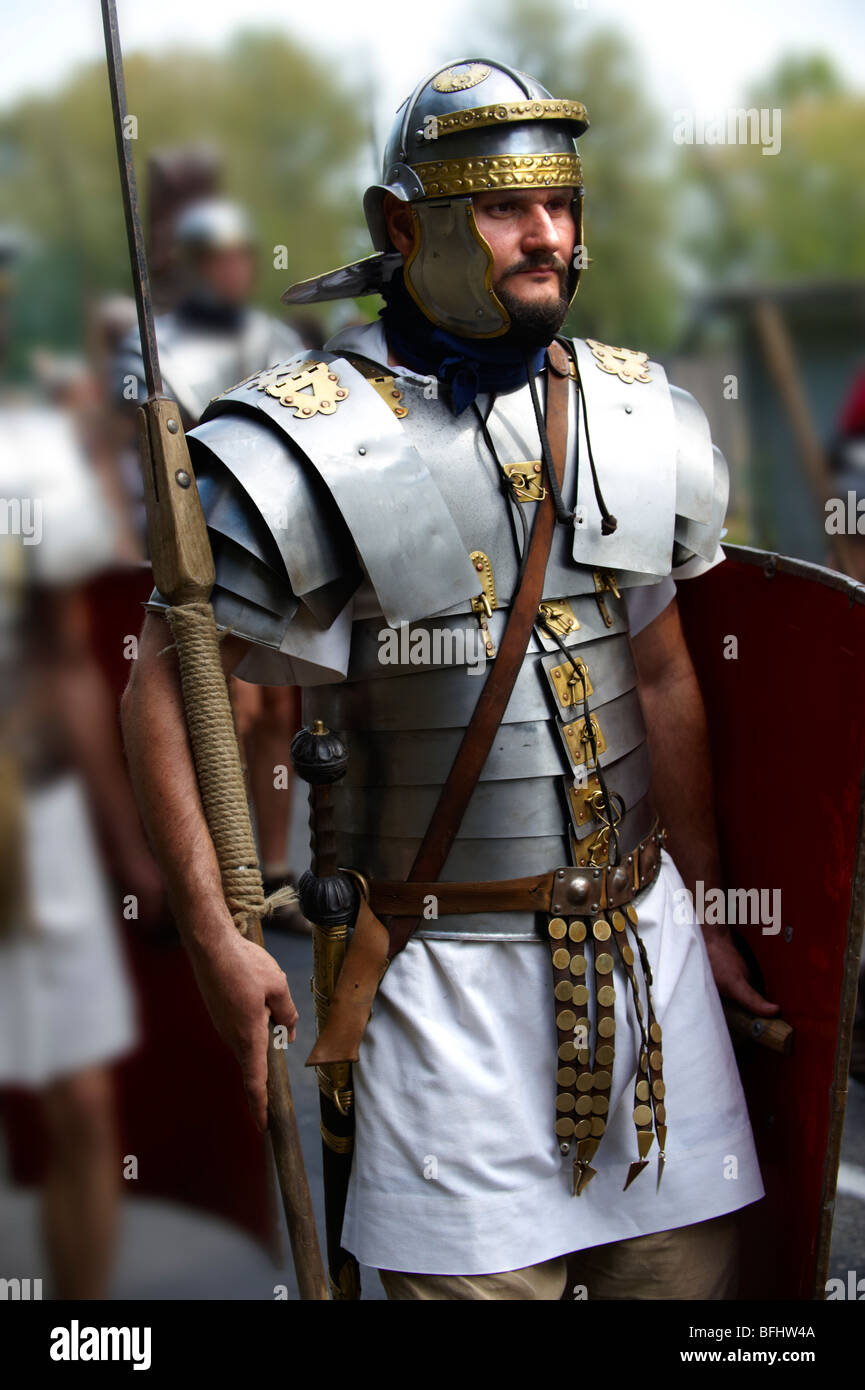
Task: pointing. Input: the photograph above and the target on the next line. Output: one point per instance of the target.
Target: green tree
(794, 215)
(288, 129)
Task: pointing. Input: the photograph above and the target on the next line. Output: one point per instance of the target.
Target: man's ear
(399, 222)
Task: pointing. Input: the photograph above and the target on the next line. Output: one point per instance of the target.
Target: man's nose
(540, 231)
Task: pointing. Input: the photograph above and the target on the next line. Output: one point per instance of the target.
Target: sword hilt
(320, 757)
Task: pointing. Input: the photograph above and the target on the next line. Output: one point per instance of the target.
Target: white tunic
(457, 1169)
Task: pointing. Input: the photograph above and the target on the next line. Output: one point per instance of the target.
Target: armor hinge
(486, 601)
(558, 615)
(526, 481)
(605, 582)
(571, 682)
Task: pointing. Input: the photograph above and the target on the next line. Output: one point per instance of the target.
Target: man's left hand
(731, 973)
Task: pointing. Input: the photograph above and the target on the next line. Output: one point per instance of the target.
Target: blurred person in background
(212, 337)
(209, 341)
(66, 1009)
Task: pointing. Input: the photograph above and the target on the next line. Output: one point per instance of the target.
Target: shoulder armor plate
(397, 518)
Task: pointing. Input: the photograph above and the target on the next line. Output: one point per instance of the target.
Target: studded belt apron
(591, 925)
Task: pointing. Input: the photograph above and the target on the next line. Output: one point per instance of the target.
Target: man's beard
(536, 323)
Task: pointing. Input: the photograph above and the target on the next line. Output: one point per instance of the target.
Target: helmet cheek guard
(449, 270)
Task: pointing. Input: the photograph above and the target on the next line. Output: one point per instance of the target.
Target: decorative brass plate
(629, 366)
(312, 390)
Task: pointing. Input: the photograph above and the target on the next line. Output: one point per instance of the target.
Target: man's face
(229, 273)
(532, 235)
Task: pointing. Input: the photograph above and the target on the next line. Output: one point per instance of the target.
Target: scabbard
(365, 961)
(336, 1097)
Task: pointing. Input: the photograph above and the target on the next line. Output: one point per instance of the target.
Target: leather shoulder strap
(489, 710)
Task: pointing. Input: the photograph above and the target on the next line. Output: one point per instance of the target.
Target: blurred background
(739, 264)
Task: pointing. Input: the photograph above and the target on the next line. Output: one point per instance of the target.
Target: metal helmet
(213, 224)
(469, 127)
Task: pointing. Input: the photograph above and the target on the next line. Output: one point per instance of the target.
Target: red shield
(785, 703)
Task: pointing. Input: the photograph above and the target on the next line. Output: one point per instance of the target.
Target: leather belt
(565, 891)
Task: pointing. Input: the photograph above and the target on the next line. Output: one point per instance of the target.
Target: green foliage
(791, 216)
(288, 130)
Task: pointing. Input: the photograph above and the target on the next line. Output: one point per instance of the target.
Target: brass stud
(581, 994)
(603, 1080)
(604, 963)
(656, 1060)
(655, 1032)
(564, 1126)
(606, 1027)
(577, 965)
(605, 1055)
(564, 1102)
(567, 1052)
(606, 996)
(577, 931)
(566, 1076)
(659, 1090)
(584, 1081)
(600, 1104)
(584, 1105)
(566, 1020)
(583, 1128)
(642, 1115)
(561, 957)
(601, 930)
(556, 927)
(598, 1126)
(564, 992)
(627, 955)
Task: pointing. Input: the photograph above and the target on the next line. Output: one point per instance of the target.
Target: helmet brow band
(442, 178)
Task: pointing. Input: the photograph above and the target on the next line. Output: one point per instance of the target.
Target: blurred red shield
(779, 648)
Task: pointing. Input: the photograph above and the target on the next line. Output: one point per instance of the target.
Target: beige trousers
(691, 1262)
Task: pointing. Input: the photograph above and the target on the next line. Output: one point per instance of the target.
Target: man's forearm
(163, 775)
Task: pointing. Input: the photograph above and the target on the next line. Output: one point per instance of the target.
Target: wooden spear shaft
(183, 572)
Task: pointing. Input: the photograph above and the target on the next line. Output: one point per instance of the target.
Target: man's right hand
(243, 988)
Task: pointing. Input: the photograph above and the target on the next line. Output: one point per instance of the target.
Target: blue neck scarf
(467, 366)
